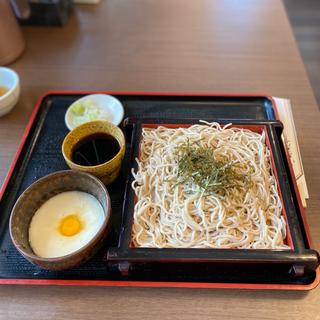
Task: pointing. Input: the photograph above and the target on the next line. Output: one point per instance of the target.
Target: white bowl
(109, 104)
(9, 79)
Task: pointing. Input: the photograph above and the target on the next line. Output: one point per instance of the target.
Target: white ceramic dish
(109, 104)
(10, 80)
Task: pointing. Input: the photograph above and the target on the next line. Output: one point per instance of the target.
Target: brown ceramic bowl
(38, 193)
(108, 171)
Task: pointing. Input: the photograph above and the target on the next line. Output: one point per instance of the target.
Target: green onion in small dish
(94, 107)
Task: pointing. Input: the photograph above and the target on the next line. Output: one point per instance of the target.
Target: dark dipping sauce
(95, 149)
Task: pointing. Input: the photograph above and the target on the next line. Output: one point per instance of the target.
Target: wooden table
(167, 45)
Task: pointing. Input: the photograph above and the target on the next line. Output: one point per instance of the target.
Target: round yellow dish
(108, 171)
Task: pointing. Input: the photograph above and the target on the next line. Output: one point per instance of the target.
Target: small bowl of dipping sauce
(9, 90)
(61, 220)
(94, 107)
(96, 147)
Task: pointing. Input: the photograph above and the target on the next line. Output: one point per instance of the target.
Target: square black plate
(300, 254)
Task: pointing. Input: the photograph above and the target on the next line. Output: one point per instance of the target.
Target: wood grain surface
(167, 45)
(305, 21)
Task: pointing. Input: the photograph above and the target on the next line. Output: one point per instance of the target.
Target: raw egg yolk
(70, 225)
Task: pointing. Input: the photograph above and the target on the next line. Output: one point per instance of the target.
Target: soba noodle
(167, 215)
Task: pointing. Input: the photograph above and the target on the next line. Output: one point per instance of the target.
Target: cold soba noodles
(206, 186)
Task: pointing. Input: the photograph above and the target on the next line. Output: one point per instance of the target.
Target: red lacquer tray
(39, 154)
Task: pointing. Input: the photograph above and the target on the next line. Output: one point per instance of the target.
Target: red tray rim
(163, 284)
(112, 283)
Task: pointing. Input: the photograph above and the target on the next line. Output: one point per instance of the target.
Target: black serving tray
(40, 154)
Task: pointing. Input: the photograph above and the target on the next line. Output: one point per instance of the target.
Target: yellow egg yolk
(70, 225)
